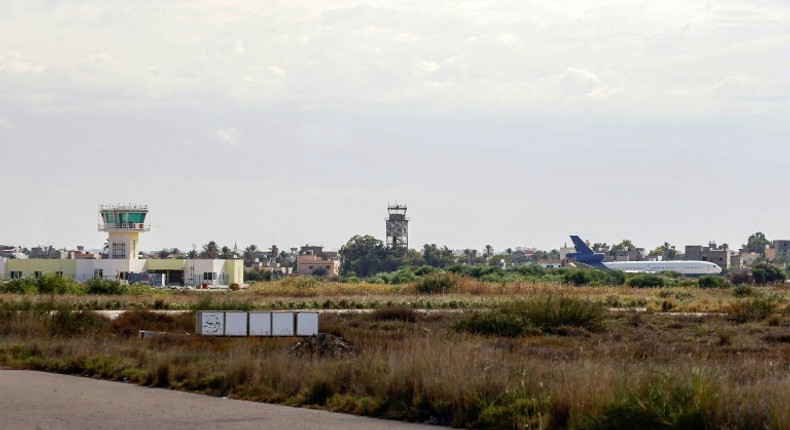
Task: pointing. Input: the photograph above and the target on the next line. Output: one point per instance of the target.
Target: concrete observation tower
(123, 224)
(397, 227)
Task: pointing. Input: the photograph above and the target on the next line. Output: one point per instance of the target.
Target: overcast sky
(508, 123)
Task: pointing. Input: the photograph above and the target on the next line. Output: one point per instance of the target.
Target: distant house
(636, 254)
(782, 248)
(313, 260)
(715, 254)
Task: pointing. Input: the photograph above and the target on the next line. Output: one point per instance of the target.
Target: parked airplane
(587, 256)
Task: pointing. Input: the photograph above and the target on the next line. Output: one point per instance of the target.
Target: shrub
(104, 286)
(551, 312)
(436, 283)
(394, 314)
(253, 276)
(656, 406)
(764, 273)
(647, 281)
(578, 277)
(21, 286)
(741, 277)
(234, 287)
(713, 282)
(495, 323)
(751, 310)
(544, 314)
(65, 322)
(743, 291)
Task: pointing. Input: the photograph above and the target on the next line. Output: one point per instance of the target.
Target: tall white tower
(123, 223)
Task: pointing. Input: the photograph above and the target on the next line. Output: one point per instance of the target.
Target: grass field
(507, 356)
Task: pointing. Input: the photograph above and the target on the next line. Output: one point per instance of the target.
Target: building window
(328, 267)
(118, 250)
(209, 276)
(15, 274)
(37, 274)
(59, 274)
(310, 267)
(123, 276)
(98, 273)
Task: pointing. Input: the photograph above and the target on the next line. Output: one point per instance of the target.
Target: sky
(509, 123)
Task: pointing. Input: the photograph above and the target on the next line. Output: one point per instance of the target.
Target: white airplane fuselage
(691, 267)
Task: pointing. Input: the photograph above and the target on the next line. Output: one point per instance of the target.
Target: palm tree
(192, 254)
(249, 254)
(274, 251)
(227, 253)
(210, 250)
(489, 251)
(164, 253)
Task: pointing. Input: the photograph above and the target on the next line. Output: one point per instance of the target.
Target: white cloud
(11, 62)
(5, 123)
(582, 82)
(229, 136)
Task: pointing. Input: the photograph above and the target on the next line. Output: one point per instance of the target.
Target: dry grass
(640, 369)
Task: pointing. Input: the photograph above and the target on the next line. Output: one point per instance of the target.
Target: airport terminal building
(123, 225)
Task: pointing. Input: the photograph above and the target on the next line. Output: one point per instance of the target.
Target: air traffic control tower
(123, 224)
(397, 226)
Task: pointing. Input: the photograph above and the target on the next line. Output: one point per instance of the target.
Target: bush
(21, 286)
(764, 273)
(544, 314)
(495, 323)
(743, 291)
(647, 281)
(436, 283)
(741, 277)
(105, 286)
(656, 406)
(578, 277)
(394, 314)
(253, 276)
(713, 282)
(751, 310)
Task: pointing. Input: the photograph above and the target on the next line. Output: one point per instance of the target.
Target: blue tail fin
(581, 247)
(586, 255)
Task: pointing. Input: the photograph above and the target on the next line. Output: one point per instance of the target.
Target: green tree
(437, 257)
(666, 251)
(362, 256)
(764, 273)
(193, 254)
(757, 243)
(164, 253)
(273, 252)
(226, 254)
(600, 247)
(626, 244)
(488, 251)
(210, 251)
(249, 254)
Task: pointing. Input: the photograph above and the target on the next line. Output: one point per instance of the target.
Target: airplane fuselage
(686, 267)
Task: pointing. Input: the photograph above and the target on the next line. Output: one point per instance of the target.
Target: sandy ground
(37, 400)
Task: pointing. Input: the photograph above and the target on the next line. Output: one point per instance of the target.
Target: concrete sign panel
(260, 323)
(282, 323)
(235, 323)
(211, 323)
(307, 323)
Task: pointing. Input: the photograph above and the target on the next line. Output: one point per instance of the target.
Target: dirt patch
(322, 345)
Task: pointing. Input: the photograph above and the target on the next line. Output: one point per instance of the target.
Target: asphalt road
(37, 400)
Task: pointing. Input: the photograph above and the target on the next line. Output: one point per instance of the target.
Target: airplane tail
(586, 255)
(581, 247)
